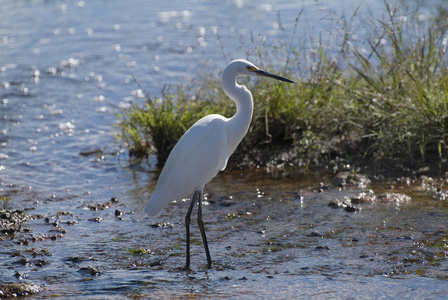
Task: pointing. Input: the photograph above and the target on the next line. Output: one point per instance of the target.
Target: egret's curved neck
(238, 125)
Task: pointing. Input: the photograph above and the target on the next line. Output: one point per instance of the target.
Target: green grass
(381, 102)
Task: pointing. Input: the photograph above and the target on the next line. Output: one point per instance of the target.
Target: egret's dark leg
(202, 229)
(187, 226)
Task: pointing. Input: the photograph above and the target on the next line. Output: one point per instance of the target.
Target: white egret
(204, 149)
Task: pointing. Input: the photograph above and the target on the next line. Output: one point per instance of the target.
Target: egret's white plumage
(205, 148)
(195, 160)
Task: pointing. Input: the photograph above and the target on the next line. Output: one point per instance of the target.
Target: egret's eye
(251, 68)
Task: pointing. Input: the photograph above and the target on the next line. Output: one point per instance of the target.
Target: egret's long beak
(260, 72)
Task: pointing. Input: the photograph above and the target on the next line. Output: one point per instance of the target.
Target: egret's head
(244, 67)
(253, 70)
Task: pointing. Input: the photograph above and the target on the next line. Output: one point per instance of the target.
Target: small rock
(394, 198)
(322, 248)
(321, 188)
(96, 219)
(14, 290)
(20, 276)
(90, 271)
(156, 263)
(314, 234)
(91, 151)
(343, 179)
(364, 197)
(345, 203)
(162, 225)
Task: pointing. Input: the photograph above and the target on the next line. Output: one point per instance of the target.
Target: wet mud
(261, 228)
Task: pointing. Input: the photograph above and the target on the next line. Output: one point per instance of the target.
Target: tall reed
(379, 102)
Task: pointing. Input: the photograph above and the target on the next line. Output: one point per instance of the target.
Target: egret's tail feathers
(154, 207)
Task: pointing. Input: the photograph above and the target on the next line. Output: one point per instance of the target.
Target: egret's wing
(194, 161)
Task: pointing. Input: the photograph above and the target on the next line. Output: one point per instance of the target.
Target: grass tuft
(381, 102)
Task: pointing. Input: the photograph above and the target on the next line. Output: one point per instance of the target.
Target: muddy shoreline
(344, 225)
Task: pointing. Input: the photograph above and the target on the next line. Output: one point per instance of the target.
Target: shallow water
(65, 66)
(265, 233)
